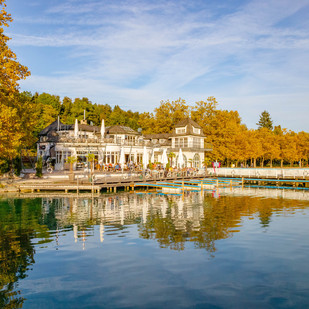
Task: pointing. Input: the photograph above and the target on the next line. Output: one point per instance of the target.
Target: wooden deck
(167, 184)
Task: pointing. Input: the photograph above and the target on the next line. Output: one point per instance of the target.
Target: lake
(240, 248)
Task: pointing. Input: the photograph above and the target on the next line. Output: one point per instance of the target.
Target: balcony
(103, 142)
(192, 147)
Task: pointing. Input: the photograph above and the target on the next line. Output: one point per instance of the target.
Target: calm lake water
(240, 249)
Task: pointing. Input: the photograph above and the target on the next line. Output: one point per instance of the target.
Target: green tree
(91, 158)
(39, 167)
(265, 121)
(171, 156)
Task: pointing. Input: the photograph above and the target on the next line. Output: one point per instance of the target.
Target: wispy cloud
(130, 52)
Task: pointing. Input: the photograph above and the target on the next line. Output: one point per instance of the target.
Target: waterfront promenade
(82, 181)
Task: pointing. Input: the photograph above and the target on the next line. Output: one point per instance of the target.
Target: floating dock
(179, 186)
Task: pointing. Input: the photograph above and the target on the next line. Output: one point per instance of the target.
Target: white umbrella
(152, 157)
(180, 158)
(145, 158)
(164, 158)
(102, 129)
(76, 128)
(122, 158)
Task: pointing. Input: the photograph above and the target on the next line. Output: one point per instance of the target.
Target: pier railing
(280, 173)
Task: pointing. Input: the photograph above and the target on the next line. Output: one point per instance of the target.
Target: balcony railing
(192, 146)
(104, 141)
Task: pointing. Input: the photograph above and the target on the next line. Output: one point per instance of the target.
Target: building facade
(121, 144)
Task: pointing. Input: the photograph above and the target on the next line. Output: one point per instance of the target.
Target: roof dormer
(181, 130)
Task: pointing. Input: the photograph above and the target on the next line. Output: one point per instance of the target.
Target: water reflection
(174, 222)
(19, 222)
(171, 220)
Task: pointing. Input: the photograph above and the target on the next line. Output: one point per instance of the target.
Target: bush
(39, 167)
(17, 165)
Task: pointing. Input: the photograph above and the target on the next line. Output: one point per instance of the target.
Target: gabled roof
(120, 130)
(52, 127)
(190, 124)
(187, 121)
(87, 127)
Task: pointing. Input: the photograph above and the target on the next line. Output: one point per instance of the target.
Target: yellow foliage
(10, 131)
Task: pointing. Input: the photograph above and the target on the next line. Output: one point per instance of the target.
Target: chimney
(84, 121)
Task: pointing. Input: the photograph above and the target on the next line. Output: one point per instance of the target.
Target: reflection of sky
(257, 267)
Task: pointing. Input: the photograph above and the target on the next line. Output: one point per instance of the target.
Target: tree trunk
(271, 162)
(262, 163)
(281, 163)
(291, 162)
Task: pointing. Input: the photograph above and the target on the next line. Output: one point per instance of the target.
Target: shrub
(39, 167)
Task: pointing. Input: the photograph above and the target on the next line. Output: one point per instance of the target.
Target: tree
(71, 160)
(168, 114)
(171, 155)
(39, 167)
(91, 158)
(11, 71)
(265, 121)
(10, 133)
(146, 122)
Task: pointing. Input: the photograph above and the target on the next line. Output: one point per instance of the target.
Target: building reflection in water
(171, 220)
(119, 211)
(194, 219)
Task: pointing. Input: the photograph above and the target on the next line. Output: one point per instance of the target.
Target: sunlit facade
(108, 144)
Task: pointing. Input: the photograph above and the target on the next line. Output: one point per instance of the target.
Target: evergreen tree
(265, 121)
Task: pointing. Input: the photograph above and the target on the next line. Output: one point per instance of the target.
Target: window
(196, 130)
(181, 130)
(111, 157)
(196, 160)
(196, 142)
(181, 142)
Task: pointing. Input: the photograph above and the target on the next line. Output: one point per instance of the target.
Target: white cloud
(138, 51)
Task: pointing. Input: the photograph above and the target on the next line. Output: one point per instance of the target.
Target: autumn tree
(11, 72)
(168, 114)
(223, 129)
(146, 122)
(204, 113)
(254, 149)
(303, 146)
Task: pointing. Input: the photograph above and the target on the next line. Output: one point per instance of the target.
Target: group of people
(151, 169)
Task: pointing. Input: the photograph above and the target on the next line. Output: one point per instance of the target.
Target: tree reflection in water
(18, 225)
(218, 219)
(173, 221)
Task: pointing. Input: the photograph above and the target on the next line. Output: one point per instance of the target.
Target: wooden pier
(174, 184)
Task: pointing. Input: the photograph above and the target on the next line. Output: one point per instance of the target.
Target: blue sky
(250, 55)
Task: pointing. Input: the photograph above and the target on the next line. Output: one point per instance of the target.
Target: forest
(23, 115)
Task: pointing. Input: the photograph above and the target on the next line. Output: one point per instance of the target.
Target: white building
(59, 141)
